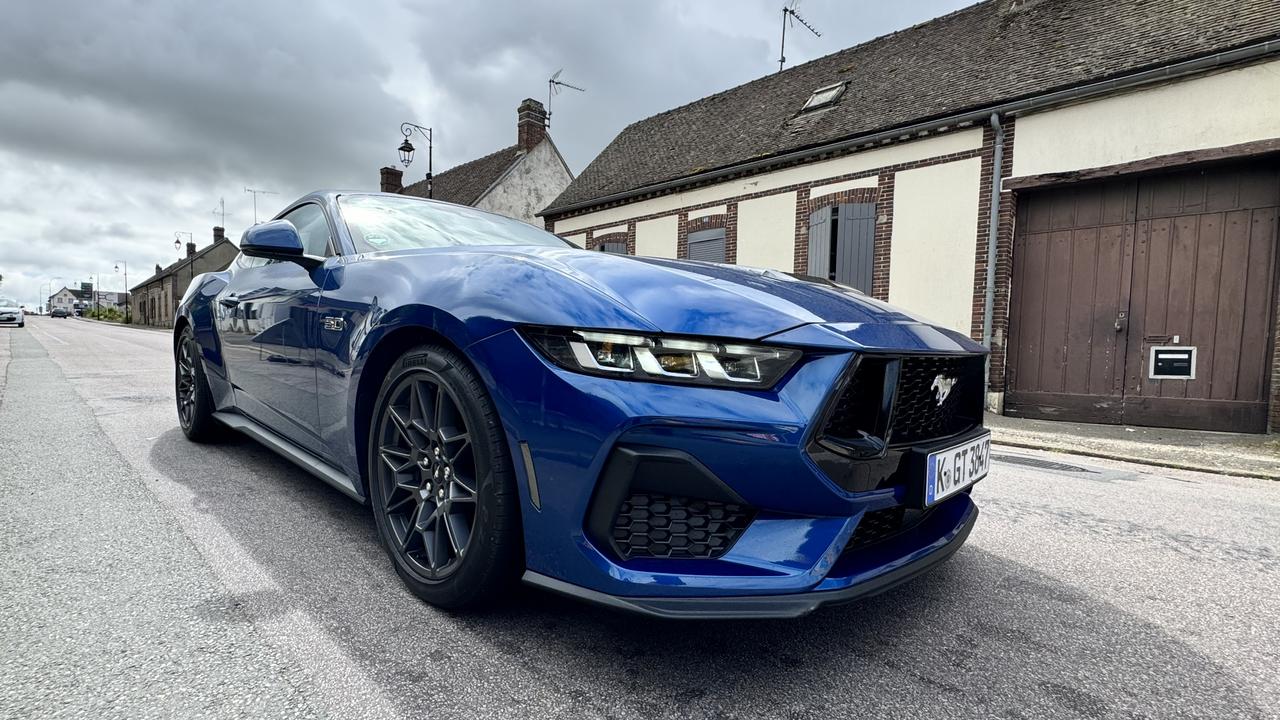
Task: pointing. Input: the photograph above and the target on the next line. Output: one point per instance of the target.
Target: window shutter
(707, 245)
(855, 246)
(820, 242)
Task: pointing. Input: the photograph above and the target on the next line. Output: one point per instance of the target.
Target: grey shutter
(820, 242)
(707, 245)
(617, 247)
(855, 246)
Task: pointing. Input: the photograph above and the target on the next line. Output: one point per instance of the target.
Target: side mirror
(277, 240)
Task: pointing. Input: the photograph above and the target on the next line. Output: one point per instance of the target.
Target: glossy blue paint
(277, 239)
(288, 344)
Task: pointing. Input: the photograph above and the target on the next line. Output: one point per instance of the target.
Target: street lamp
(406, 147)
(126, 288)
(49, 285)
(177, 241)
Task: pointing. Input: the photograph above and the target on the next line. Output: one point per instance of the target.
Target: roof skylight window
(824, 96)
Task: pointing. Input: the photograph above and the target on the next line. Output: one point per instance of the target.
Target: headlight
(663, 359)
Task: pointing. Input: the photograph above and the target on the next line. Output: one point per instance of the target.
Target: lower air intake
(650, 525)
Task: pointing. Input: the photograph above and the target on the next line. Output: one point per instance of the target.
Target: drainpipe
(993, 230)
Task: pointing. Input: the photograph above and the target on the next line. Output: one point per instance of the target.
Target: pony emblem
(942, 387)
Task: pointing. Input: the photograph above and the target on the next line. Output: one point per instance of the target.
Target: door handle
(229, 301)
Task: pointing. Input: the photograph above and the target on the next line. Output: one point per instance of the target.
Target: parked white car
(11, 312)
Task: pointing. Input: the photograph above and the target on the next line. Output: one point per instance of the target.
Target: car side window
(313, 229)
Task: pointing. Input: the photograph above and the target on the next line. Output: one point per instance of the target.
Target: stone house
(155, 300)
(1126, 150)
(516, 181)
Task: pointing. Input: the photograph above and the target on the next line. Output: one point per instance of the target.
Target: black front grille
(667, 526)
(917, 414)
(916, 382)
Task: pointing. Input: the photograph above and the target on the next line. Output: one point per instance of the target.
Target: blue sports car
(675, 438)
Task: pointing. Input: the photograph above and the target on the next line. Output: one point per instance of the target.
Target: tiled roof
(465, 183)
(992, 52)
(181, 263)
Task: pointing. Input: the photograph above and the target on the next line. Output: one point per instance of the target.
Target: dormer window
(824, 96)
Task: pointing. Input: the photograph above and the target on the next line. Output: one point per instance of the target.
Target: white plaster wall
(580, 239)
(714, 210)
(529, 187)
(657, 238)
(866, 182)
(1212, 111)
(935, 225)
(953, 142)
(767, 232)
(610, 230)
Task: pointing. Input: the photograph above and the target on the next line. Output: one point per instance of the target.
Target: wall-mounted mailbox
(1172, 362)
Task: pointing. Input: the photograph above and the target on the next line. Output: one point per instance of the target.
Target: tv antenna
(790, 17)
(553, 88)
(256, 193)
(221, 210)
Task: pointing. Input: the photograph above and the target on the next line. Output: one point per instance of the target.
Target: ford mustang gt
(674, 438)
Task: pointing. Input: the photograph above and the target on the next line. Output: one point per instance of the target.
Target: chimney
(191, 249)
(392, 178)
(531, 124)
(158, 268)
(219, 234)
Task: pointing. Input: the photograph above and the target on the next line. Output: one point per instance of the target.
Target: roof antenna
(256, 193)
(553, 88)
(221, 210)
(789, 17)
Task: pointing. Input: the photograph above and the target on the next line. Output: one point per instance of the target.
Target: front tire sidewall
(490, 559)
(203, 428)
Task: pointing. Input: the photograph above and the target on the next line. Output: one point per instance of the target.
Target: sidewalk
(1247, 455)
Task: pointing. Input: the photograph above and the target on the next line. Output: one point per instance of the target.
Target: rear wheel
(195, 402)
(441, 482)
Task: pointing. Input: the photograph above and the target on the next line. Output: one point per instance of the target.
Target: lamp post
(126, 288)
(406, 147)
(191, 264)
(49, 285)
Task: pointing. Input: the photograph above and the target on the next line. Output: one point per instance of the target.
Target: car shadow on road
(983, 635)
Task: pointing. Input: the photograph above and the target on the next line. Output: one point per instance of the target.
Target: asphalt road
(144, 576)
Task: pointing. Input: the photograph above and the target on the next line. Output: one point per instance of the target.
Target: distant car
(680, 439)
(11, 312)
(59, 312)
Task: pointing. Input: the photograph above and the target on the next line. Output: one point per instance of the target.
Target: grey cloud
(125, 121)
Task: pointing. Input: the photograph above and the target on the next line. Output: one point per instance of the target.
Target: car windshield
(381, 223)
(8, 302)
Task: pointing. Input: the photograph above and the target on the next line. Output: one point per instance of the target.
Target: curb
(1255, 474)
(129, 326)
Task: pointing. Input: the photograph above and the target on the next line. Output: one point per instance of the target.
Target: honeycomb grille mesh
(663, 526)
(917, 414)
(875, 526)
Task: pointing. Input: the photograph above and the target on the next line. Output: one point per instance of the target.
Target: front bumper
(791, 557)
(773, 606)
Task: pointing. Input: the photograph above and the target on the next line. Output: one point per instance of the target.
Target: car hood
(697, 298)
(10, 308)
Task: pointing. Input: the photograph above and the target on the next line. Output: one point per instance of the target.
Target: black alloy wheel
(186, 390)
(427, 474)
(191, 387)
(441, 482)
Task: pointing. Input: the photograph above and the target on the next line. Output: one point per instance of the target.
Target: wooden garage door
(1104, 272)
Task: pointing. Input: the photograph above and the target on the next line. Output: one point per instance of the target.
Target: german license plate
(949, 471)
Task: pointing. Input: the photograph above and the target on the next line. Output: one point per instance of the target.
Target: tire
(191, 388)
(441, 483)
(22, 324)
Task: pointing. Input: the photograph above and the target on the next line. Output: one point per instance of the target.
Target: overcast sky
(124, 122)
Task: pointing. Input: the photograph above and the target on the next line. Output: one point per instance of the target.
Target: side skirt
(289, 451)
